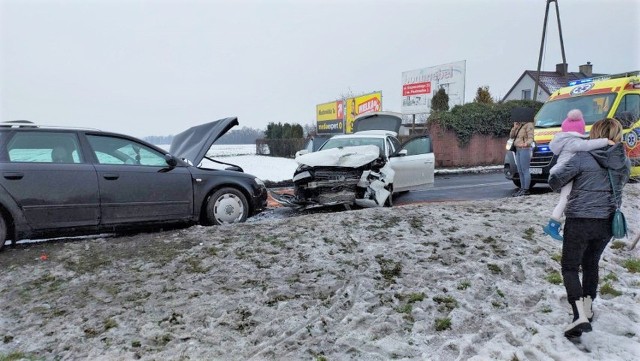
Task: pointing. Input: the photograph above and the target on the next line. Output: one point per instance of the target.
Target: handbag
(618, 223)
(511, 143)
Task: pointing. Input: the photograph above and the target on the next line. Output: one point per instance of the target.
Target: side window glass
(417, 146)
(628, 110)
(113, 150)
(44, 147)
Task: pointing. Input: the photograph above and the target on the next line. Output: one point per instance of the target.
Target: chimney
(562, 69)
(586, 69)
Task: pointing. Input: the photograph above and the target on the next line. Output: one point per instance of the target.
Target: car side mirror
(401, 153)
(171, 160)
(301, 152)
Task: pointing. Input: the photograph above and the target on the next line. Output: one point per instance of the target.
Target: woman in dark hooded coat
(589, 212)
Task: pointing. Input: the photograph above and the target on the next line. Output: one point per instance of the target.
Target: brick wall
(481, 150)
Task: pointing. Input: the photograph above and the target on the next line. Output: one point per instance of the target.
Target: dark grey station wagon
(64, 181)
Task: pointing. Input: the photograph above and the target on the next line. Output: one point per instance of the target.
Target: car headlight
(301, 176)
(301, 168)
(259, 181)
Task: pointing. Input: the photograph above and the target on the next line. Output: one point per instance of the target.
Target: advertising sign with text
(419, 86)
(355, 106)
(330, 117)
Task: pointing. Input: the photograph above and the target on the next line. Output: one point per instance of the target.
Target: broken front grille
(337, 175)
(330, 186)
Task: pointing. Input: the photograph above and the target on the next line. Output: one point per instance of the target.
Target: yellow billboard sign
(362, 104)
(330, 117)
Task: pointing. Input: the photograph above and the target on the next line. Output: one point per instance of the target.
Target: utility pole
(544, 32)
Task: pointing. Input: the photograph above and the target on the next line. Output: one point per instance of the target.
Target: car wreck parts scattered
(362, 169)
(348, 176)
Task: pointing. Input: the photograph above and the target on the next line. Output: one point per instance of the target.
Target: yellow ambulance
(612, 96)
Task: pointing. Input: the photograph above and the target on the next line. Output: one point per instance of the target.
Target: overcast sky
(158, 67)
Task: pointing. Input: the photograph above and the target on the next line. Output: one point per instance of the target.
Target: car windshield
(593, 107)
(352, 141)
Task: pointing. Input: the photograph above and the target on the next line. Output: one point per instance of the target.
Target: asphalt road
(466, 186)
(447, 187)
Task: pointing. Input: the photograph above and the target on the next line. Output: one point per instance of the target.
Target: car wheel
(227, 205)
(389, 201)
(3, 231)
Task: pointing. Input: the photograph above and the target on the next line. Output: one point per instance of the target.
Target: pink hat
(574, 122)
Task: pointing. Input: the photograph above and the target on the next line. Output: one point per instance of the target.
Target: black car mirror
(171, 160)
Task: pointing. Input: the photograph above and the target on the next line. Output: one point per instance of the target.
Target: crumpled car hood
(194, 143)
(352, 157)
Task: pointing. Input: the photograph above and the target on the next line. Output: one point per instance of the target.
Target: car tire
(227, 205)
(3, 231)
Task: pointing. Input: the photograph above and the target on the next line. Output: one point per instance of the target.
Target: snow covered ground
(277, 169)
(439, 281)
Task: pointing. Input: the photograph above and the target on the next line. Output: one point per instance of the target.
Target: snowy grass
(441, 281)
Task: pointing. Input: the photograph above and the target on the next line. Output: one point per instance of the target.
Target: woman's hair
(607, 128)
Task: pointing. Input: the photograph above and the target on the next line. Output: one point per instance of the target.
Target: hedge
(480, 118)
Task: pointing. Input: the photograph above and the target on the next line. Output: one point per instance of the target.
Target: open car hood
(378, 121)
(352, 157)
(194, 143)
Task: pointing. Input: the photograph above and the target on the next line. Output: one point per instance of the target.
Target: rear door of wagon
(46, 174)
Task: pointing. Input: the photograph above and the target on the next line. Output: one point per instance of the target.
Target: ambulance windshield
(593, 107)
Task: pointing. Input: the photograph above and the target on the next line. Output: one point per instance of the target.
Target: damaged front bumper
(330, 186)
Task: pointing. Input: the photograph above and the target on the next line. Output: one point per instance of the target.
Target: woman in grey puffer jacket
(589, 212)
(565, 144)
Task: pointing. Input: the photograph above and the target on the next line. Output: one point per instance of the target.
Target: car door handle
(13, 175)
(111, 176)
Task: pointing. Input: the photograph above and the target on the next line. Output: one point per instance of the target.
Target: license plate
(535, 170)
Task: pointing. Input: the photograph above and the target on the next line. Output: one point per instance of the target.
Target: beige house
(550, 81)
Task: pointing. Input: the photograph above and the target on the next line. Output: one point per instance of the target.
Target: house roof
(551, 81)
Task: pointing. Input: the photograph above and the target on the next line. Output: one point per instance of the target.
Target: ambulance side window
(628, 110)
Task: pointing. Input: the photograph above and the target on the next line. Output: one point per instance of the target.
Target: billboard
(355, 106)
(329, 117)
(419, 86)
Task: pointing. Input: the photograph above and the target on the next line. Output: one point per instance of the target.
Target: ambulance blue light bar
(580, 81)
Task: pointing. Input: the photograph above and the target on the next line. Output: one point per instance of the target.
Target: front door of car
(413, 165)
(136, 184)
(47, 176)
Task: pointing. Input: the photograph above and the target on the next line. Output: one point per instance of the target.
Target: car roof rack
(617, 76)
(18, 124)
(30, 124)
